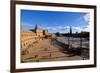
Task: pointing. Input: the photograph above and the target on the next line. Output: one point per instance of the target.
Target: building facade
(29, 37)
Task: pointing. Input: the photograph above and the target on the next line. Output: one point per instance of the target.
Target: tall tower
(37, 30)
(36, 27)
(70, 30)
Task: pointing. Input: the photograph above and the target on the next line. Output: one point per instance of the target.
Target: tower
(45, 32)
(70, 30)
(38, 31)
(36, 28)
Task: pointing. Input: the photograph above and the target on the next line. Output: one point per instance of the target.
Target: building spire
(36, 27)
(70, 30)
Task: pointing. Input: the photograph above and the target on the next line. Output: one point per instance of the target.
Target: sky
(55, 21)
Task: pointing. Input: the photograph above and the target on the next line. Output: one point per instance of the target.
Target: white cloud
(76, 28)
(58, 27)
(86, 17)
(86, 28)
(66, 27)
(26, 24)
(79, 29)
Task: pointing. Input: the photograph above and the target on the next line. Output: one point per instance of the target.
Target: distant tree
(84, 34)
(81, 34)
(58, 34)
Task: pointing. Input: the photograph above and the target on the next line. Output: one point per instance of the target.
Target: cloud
(66, 27)
(58, 27)
(63, 28)
(25, 25)
(83, 18)
(86, 17)
(77, 28)
(86, 28)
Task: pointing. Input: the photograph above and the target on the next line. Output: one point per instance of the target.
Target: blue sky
(55, 21)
